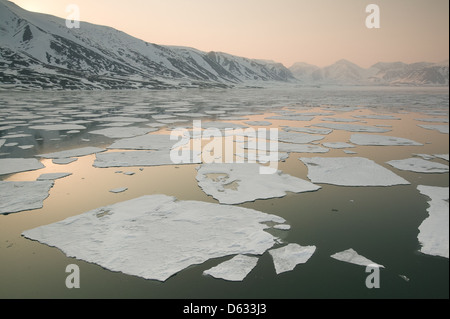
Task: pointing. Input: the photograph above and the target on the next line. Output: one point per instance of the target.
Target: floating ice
(137, 158)
(58, 127)
(282, 227)
(122, 119)
(258, 123)
(377, 117)
(309, 130)
(21, 196)
(155, 237)
(350, 171)
(419, 165)
(145, 142)
(287, 257)
(352, 257)
(2, 142)
(17, 165)
(240, 183)
(52, 176)
(440, 128)
(119, 190)
(353, 127)
(235, 269)
(442, 156)
(123, 132)
(79, 152)
(298, 138)
(434, 120)
(339, 119)
(434, 231)
(292, 148)
(381, 140)
(338, 145)
(294, 117)
(64, 161)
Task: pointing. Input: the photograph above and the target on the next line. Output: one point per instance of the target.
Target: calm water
(380, 223)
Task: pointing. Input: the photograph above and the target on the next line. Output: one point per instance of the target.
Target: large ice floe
(18, 165)
(434, 231)
(287, 257)
(352, 257)
(239, 183)
(235, 269)
(298, 138)
(156, 236)
(22, 196)
(350, 171)
(419, 165)
(381, 140)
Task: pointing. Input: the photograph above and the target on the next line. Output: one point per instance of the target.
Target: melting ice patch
(442, 156)
(338, 145)
(21, 196)
(381, 140)
(240, 183)
(235, 269)
(52, 176)
(419, 165)
(310, 130)
(17, 165)
(146, 142)
(434, 231)
(350, 171)
(155, 237)
(298, 138)
(287, 257)
(352, 257)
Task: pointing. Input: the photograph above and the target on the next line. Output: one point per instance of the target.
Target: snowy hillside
(345, 72)
(39, 50)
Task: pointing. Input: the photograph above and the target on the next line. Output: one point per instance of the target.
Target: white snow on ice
(240, 183)
(350, 171)
(17, 165)
(79, 152)
(352, 257)
(156, 236)
(287, 257)
(235, 269)
(381, 140)
(419, 165)
(434, 230)
(32, 195)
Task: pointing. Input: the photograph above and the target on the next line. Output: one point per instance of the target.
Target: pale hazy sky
(314, 31)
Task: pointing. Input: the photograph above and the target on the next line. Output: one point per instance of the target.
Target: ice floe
(434, 230)
(79, 152)
(258, 123)
(310, 130)
(338, 145)
(119, 190)
(298, 138)
(17, 165)
(440, 128)
(442, 156)
(235, 269)
(377, 117)
(52, 176)
(123, 132)
(156, 236)
(22, 196)
(352, 257)
(2, 142)
(294, 117)
(350, 171)
(381, 140)
(63, 161)
(240, 183)
(353, 127)
(145, 142)
(58, 127)
(419, 165)
(138, 158)
(287, 257)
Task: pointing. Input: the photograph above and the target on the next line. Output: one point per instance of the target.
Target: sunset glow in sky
(318, 32)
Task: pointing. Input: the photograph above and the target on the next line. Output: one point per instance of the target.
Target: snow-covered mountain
(38, 50)
(345, 72)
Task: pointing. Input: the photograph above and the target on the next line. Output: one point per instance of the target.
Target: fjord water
(380, 223)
